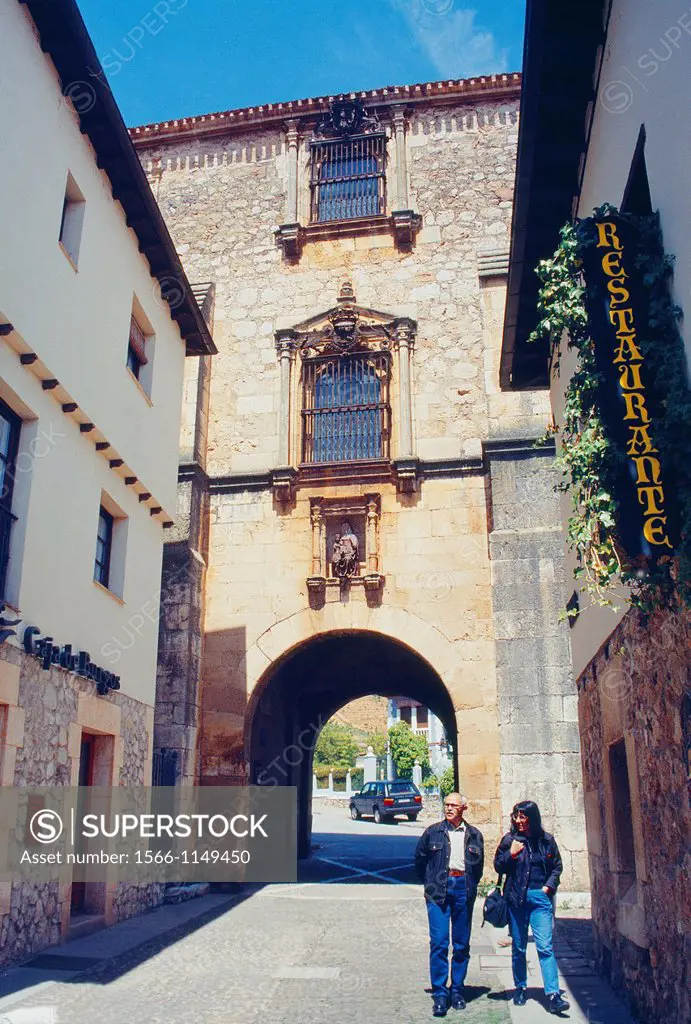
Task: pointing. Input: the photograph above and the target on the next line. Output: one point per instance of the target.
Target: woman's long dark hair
(532, 813)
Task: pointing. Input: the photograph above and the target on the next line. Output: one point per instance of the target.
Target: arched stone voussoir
(398, 624)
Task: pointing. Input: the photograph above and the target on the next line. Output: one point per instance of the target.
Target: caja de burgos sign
(79, 662)
(617, 301)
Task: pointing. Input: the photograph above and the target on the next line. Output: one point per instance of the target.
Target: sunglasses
(520, 816)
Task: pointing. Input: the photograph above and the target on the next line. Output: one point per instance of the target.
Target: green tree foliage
(447, 782)
(378, 742)
(336, 746)
(406, 748)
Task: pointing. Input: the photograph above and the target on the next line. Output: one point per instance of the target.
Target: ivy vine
(588, 456)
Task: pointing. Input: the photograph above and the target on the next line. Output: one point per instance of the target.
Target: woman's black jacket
(517, 869)
(432, 860)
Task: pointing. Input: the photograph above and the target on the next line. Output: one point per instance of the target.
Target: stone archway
(303, 689)
(454, 677)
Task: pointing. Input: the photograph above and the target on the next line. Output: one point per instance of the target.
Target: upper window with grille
(348, 178)
(346, 412)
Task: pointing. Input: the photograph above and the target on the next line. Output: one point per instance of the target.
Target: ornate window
(348, 164)
(346, 173)
(345, 407)
(335, 410)
(348, 178)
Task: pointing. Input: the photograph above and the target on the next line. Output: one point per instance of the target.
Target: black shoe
(457, 1001)
(557, 1004)
(440, 1008)
(519, 997)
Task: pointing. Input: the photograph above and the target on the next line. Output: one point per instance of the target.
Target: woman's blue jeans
(537, 911)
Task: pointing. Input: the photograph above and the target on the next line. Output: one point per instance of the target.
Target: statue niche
(345, 560)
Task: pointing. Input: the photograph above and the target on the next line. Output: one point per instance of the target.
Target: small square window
(111, 546)
(104, 545)
(136, 349)
(3, 736)
(140, 348)
(72, 221)
(10, 427)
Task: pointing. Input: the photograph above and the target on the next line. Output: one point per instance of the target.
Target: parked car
(384, 800)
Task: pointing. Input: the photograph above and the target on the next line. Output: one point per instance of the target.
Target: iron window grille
(346, 414)
(104, 544)
(10, 426)
(348, 178)
(165, 767)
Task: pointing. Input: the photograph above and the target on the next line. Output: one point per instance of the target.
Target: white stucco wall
(77, 322)
(645, 80)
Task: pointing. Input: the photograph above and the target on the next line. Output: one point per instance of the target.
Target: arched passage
(301, 691)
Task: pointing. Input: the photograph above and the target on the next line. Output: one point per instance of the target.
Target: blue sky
(171, 58)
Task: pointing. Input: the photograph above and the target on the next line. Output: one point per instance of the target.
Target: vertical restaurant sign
(617, 302)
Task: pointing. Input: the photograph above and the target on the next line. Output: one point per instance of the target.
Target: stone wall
(221, 198)
(436, 599)
(49, 709)
(222, 194)
(538, 714)
(633, 691)
(183, 586)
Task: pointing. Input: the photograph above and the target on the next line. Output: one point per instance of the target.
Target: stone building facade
(454, 597)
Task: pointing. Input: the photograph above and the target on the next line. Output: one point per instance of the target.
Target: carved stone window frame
(399, 219)
(344, 325)
(325, 510)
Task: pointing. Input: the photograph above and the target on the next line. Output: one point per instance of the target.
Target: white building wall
(77, 322)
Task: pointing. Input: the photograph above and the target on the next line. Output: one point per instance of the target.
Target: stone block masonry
(471, 562)
(535, 688)
(634, 703)
(51, 711)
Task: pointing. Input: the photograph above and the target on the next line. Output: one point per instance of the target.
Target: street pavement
(348, 943)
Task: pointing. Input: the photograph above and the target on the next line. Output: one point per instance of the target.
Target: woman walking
(529, 858)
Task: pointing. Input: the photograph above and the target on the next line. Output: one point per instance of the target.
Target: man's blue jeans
(457, 912)
(537, 911)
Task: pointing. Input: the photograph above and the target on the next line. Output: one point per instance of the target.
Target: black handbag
(496, 910)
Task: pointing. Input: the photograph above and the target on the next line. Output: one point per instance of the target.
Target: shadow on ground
(55, 963)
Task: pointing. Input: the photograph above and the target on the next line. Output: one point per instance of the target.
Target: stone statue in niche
(345, 561)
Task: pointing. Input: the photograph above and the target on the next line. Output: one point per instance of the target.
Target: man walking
(449, 860)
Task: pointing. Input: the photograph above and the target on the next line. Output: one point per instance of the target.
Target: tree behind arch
(336, 746)
(406, 747)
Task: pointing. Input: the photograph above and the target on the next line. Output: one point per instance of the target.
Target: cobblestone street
(347, 943)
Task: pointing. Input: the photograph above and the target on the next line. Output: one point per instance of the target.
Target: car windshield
(402, 787)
